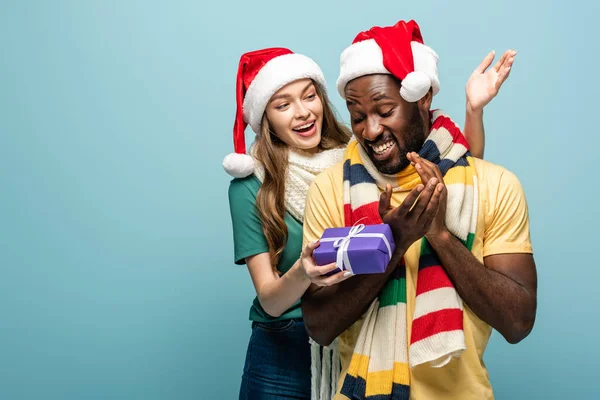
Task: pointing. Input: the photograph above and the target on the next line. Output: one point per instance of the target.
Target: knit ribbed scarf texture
(384, 352)
(303, 167)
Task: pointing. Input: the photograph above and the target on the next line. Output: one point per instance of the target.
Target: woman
(281, 95)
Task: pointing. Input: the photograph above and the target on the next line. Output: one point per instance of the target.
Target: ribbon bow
(341, 244)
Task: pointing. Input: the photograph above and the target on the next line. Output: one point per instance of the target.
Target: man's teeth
(304, 126)
(382, 148)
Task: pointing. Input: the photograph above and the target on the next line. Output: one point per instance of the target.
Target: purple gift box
(362, 249)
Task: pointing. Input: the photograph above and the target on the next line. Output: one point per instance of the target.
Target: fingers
(424, 173)
(318, 274)
(385, 201)
(331, 280)
(434, 169)
(510, 56)
(487, 61)
(425, 168)
(430, 172)
(433, 207)
(308, 250)
(321, 270)
(504, 71)
(501, 60)
(412, 157)
(410, 199)
(424, 199)
(443, 199)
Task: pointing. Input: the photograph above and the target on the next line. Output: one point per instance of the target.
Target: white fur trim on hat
(360, 59)
(238, 165)
(426, 60)
(365, 58)
(415, 85)
(273, 76)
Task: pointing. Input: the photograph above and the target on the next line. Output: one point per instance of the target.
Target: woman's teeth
(304, 127)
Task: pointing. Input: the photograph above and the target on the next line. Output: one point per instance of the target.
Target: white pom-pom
(414, 86)
(238, 165)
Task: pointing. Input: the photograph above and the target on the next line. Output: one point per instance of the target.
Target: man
(463, 262)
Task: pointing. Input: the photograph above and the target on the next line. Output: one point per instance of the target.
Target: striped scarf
(382, 358)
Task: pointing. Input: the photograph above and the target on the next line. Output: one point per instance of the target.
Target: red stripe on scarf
(457, 136)
(431, 278)
(436, 322)
(348, 214)
(367, 214)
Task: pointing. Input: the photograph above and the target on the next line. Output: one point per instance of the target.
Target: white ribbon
(341, 243)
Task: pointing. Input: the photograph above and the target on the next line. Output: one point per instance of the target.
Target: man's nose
(373, 129)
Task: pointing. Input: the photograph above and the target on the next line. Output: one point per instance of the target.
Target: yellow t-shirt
(502, 227)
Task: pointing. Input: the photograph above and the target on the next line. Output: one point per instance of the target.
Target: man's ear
(425, 103)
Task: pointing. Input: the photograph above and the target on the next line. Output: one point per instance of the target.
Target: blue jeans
(277, 362)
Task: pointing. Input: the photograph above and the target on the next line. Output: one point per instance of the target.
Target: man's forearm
(329, 311)
(495, 298)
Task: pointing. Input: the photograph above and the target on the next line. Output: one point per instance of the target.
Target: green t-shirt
(249, 239)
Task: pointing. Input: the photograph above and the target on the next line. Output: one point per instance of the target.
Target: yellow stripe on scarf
(379, 382)
(352, 153)
(459, 174)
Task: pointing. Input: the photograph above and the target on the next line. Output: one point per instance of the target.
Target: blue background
(116, 261)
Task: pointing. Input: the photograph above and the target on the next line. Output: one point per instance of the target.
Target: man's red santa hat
(397, 50)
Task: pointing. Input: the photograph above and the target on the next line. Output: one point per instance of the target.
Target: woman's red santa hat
(261, 74)
(397, 50)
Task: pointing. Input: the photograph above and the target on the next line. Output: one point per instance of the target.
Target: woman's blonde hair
(272, 153)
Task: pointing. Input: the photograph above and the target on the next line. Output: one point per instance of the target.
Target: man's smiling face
(387, 126)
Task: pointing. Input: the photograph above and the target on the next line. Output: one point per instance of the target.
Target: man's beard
(413, 141)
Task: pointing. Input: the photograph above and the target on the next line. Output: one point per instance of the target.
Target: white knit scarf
(303, 167)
